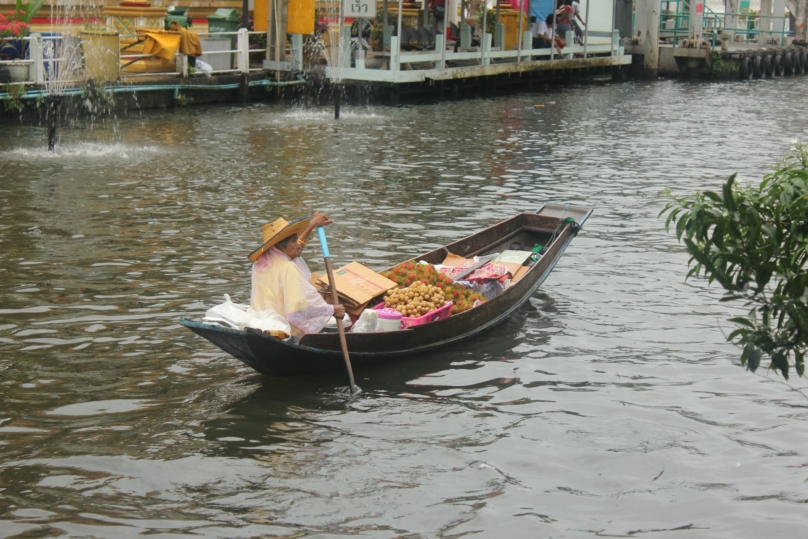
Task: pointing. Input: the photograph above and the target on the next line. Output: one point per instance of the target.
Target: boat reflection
(294, 413)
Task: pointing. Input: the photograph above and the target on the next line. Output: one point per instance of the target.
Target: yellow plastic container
(101, 55)
(300, 17)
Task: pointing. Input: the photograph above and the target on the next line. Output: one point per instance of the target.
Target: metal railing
(675, 24)
(754, 26)
(45, 58)
(484, 56)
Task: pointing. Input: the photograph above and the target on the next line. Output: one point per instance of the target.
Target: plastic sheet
(237, 316)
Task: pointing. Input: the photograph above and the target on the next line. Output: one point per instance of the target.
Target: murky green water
(608, 406)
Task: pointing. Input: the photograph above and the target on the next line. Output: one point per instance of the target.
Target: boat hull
(316, 353)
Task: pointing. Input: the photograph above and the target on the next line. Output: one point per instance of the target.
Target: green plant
(490, 20)
(29, 9)
(754, 242)
(184, 101)
(721, 66)
(14, 102)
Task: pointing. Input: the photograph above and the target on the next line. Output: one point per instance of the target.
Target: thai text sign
(359, 9)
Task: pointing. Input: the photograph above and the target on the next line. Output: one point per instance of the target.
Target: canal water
(609, 405)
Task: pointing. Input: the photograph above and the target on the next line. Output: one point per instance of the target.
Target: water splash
(84, 149)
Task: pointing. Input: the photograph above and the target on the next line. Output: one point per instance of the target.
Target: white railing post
(527, 45)
(37, 72)
(569, 38)
(183, 61)
(586, 28)
(296, 40)
(485, 45)
(394, 53)
(440, 46)
(243, 55)
(615, 42)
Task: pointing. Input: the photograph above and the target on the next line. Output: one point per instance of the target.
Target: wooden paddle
(335, 300)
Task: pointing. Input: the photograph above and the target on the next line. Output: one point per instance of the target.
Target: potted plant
(377, 33)
(490, 20)
(16, 25)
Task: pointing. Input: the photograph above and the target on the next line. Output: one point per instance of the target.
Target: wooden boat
(553, 225)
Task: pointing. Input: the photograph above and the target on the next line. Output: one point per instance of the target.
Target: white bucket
(389, 325)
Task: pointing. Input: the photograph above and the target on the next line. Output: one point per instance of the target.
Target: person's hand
(320, 219)
(339, 312)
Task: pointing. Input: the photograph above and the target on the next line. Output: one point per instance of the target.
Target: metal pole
(586, 28)
(482, 37)
(520, 32)
(245, 14)
(398, 33)
(446, 5)
(553, 43)
(340, 60)
(384, 16)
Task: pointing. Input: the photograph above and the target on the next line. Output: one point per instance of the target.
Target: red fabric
(489, 272)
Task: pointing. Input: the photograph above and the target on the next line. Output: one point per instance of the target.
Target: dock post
(646, 27)
(799, 21)
(778, 22)
(765, 24)
(694, 24)
(731, 20)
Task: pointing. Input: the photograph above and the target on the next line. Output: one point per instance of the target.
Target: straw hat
(276, 231)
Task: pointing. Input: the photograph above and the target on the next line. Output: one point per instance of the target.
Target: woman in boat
(280, 278)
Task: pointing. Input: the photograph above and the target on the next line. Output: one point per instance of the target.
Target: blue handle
(323, 243)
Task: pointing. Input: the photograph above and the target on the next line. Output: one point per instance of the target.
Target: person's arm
(318, 219)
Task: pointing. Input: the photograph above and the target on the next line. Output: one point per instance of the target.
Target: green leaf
(729, 200)
(780, 363)
(712, 195)
(680, 225)
(742, 322)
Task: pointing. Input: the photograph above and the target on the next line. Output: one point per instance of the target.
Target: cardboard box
(454, 260)
(519, 274)
(359, 284)
(513, 268)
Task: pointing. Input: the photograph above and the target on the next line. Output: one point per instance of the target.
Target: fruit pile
(417, 300)
(407, 273)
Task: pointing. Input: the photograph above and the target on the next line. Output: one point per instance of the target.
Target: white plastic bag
(228, 313)
(239, 316)
(368, 322)
(204, 67)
